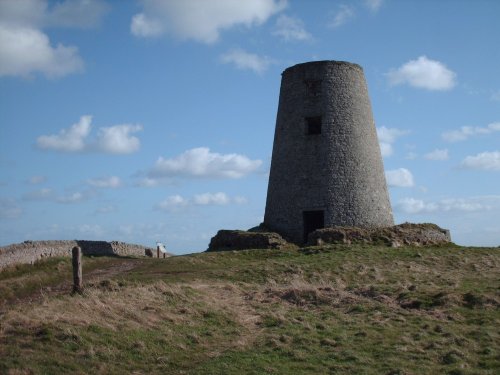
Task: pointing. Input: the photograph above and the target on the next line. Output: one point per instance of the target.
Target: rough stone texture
(406, 234)
(241, 240)
(339, 171)
(31, 251)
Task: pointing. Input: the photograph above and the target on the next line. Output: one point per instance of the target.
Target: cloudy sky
(153, 120)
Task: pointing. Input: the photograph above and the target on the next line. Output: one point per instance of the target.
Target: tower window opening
(313, 125)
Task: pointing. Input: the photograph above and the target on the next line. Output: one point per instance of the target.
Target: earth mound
(406, 234)
(240, 240)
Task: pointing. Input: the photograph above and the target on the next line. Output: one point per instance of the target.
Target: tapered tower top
(308, 65)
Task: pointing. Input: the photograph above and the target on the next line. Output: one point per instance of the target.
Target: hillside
(334, 309)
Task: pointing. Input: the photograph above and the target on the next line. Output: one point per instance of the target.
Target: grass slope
(336, 309)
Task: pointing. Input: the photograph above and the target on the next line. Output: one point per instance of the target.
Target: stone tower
(326, 167)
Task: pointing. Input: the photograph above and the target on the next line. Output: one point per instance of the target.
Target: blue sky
(153, 120)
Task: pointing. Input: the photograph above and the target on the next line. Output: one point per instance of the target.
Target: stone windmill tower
(326, 167)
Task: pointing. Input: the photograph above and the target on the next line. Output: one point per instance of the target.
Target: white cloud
(218, 199)
(92, 230)
(401, 177)
(209, 198)
(75, 197)
(423, 73)
(25, 49)
(411, 155)
(176, 202)
(200, 20)
(437, 154)
(87, 231)
(246, 61)
(71, 198)
(9, 209)
(240, 200)
(148, 182)
(414, 206)
(489, 161)
(462, 205)
(23, 12)
(105, 182)
(473, 204)
(115, 139)
(373, 5)
(172, 202)
(146, 26)
(35, 180)
(201, 162)
(344, 14)
(42, 194)
(468, 131)
(291, 28)
(495, 96)
(46, 194)
(71, 140)
(386, 137)
(106, 209)
(389, 135)
(77, 13)
(386, 149)
(38, 13)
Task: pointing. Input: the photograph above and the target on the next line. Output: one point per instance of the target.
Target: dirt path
(121, 266)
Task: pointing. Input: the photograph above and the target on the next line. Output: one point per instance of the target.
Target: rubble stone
(406, 234)
(241, 240)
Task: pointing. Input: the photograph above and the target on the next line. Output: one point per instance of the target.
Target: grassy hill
(319, 310)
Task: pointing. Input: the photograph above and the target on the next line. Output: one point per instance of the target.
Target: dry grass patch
(301, 292)
(230, 298)
(111, 305)
(122, 324)
(331, 310)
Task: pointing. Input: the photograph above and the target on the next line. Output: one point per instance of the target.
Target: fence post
(77, 270)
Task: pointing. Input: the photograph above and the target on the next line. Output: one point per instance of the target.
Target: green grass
(333, 309)
(24, 280)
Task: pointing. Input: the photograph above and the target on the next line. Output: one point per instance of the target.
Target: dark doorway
(312, 220)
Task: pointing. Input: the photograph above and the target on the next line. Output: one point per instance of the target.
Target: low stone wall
(406, 234)
(31, 251)
(241, 240)
(260, 237)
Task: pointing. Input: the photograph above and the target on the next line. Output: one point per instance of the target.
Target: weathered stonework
(406, 234)
(326, 167)
(241, 240)
(31, 251)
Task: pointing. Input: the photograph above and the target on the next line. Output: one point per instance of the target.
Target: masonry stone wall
(31, 251)
(339, 170)
(242, 240)
(406, 234)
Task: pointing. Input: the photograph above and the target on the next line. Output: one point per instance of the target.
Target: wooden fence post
(77, 270)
